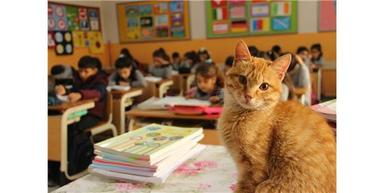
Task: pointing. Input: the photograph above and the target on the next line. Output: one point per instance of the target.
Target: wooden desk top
(64, 106)
(132, 92)
(167, 114)
(160, 82)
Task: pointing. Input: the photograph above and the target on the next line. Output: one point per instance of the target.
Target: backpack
(80, 151)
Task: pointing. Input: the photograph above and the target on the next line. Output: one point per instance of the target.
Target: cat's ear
(281, 64)
(242, 52)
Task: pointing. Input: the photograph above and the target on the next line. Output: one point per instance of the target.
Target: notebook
(152, 79)
(118, 87)
(149, 143)
(117, 159)
(127, 168)
(170, 101)
(160, 178)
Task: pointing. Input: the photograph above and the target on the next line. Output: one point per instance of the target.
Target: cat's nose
(247, 98)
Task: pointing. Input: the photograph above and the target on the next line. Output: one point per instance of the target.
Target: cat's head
(255, 83)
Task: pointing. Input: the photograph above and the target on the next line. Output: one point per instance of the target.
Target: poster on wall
(93, 20)
(228, 18)
(153, 20)
(72, 18)
(96, 45)
(327, 15)
(68, 26)
(57, 19)
(63, 42)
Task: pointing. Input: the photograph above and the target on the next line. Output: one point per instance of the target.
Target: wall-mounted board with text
(231, 18)
(153, 21)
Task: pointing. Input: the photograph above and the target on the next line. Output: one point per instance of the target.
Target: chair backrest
(109, 106)
(190, 80)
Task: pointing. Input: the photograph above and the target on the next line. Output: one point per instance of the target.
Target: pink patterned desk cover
(211, 171)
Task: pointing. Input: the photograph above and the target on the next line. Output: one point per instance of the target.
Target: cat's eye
(242, 79)
(264, 86)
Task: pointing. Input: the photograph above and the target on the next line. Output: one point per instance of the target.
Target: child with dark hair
(228, 64)
(189, 61)
(63, 74)
(275, 52)
(209, 85)
(263, 54)
(298, 76)
(303, 53)
(254, 51)
(89, 83)
(161, 64)
(125, 53)
(176, 61)
(126, 74)
(203, 56)
(316, 56)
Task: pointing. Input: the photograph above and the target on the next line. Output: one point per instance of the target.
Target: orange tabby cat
(278, 146)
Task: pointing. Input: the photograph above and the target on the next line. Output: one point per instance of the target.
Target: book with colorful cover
(150, 142)
(159, 178)
(142, 171)
(132, 162)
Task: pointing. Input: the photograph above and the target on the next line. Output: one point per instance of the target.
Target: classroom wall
(219, 48)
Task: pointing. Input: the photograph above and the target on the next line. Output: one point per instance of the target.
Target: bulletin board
(231, 18)
(327, 15)
(72, 26)
(153, 20)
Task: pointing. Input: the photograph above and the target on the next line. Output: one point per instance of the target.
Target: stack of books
(149, 154)
(326, 109)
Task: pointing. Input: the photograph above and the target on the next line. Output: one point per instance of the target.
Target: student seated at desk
(125, 53)
(303, 53)
(189, 61)
(176, 61)
(297, 77)
(316, 56)
(228, 64)
(89, 83)
(126, 74)
(162, 66)
(209, 84)
(63, 74)
(203, 56)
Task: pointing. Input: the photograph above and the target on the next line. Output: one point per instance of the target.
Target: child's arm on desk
(219, 98)
(97, 93)
(191, 93)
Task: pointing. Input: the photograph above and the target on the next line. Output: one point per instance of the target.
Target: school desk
(212, 170)
(157, 89)
(57, 131)
(136, 113)
(121, 100)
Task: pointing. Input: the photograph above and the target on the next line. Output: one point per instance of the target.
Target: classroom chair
(190, 80)
(105, 125)
(164, 87)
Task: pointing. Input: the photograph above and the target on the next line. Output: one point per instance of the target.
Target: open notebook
(118, 87)
(152, 79)
(170, 101)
